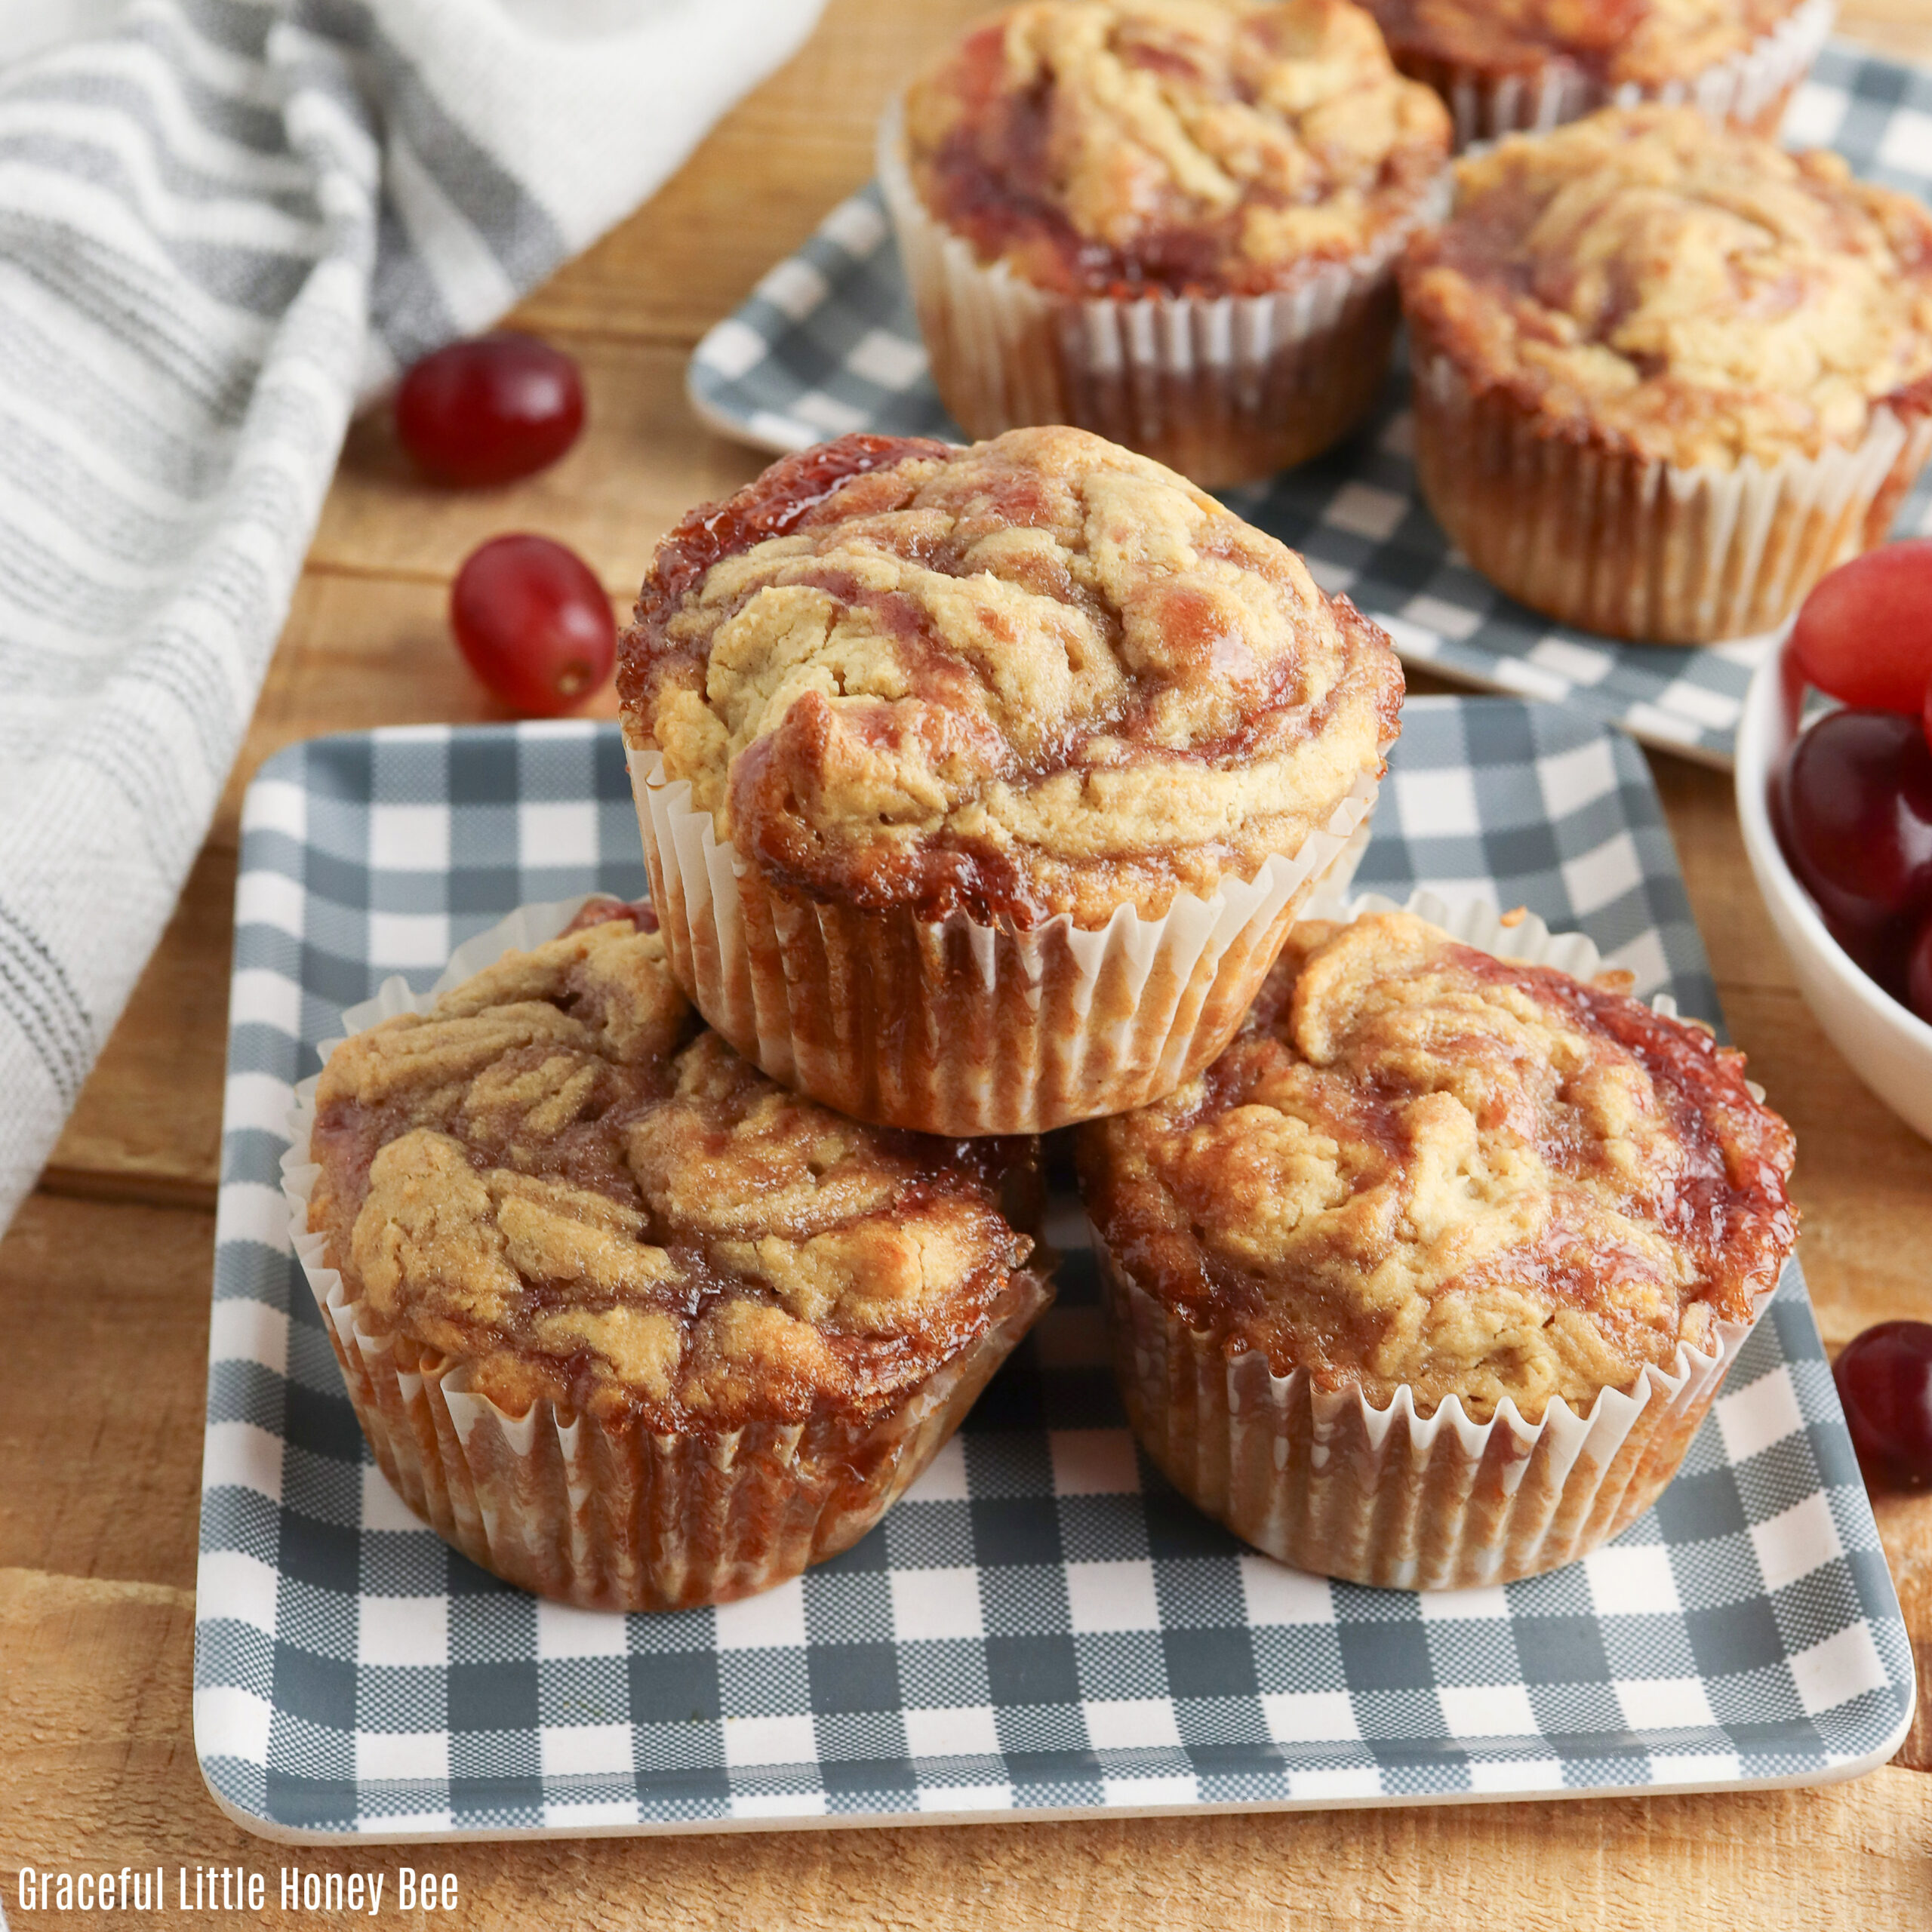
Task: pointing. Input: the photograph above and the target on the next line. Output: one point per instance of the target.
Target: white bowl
(1890, 1049)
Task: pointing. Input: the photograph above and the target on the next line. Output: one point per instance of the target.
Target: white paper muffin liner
(607, 1516)
(1635, 547)
(1225, 389)
(1329, 1482)
(1749, 88)
(952, 1027)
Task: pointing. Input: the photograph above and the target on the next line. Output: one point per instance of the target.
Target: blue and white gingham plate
(827, 343)
(1042, 1628)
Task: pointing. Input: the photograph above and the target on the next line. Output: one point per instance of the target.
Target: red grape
(1884, 1379)
(534, 623)
(1918, 972)
(1864, 633)
(489, 410)
(1857, 817)
(1878, 951)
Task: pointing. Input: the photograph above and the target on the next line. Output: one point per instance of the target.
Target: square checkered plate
(1041, 1626)
(827, 343)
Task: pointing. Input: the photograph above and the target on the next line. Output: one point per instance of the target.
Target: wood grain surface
(104, 1277)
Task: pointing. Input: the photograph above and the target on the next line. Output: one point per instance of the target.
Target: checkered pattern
(828, 343)
(1042, 1623)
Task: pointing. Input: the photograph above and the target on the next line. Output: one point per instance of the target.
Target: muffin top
(1681, 290)
(1419, 1165)
(1038, 675)
(1111, 147)
(1645, 43)
(558, 1178)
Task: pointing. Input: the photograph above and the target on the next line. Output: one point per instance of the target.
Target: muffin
(1429, 1279)
(980, 786)
(630, 1325)
(1172, 222)
(1509, 67)
(1666, 375)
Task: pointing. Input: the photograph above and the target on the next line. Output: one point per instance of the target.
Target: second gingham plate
(827, 343)
(1042, 1627)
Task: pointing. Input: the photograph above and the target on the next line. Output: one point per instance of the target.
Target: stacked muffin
(980, 786)
(1429, 1279)
(630, 1325)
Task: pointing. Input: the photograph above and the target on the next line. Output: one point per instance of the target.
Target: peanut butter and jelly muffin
(1429, 1280)
(1506, 66)
(630, 1325)
(979, 786)
(1170, 221)
(1667, 374)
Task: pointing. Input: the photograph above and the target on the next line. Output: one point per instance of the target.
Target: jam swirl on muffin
(1648, 280)
(559, 1179)
(1417, 1165)
(1038, 675)
(1119, 147)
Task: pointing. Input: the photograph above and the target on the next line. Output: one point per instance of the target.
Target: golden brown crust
(557, 1180)
(1661, 286)
(1115, 146)
(1640, 43)
(1038, 675)
(1419, 1166)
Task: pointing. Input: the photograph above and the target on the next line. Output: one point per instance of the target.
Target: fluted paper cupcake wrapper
(1636, 547)
(1750, 88)
(952, 1027)
(610, 1516)
(1225, 390)
(1328, 1481)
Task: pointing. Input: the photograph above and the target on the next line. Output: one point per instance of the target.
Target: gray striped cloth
(222, 223)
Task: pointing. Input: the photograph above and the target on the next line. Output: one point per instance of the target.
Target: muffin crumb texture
(1038, 675)
(1418, 1165)
(1683, 291)
(1642, 43)
(556, 1178)
(1112, 146)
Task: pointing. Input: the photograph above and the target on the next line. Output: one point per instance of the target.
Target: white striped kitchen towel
(221, 222)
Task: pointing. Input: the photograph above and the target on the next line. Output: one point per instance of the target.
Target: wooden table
(104, 1278)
